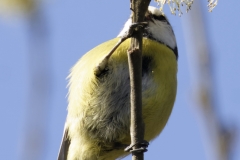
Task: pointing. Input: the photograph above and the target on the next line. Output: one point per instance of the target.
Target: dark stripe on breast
(146, 65)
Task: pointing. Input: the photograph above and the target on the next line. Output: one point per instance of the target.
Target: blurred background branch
(40, 90)
(219, 136)
(34, 140)
(18, 6)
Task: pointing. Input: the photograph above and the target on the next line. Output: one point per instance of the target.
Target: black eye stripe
(160, 18)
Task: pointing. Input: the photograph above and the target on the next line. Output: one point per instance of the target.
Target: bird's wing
(63, 151)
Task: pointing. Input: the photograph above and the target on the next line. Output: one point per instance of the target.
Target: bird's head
(158, 28)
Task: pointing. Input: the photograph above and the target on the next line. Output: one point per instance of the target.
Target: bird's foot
(137, 147)
(102, 66)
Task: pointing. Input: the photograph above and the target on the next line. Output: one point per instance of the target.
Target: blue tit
(98, 121)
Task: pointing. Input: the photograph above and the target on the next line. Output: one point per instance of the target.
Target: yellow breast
(99, 107)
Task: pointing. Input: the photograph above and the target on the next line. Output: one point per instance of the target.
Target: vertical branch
(220, 137)
(34, 140)
(139, 8)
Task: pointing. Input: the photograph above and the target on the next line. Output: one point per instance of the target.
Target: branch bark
(139, 8)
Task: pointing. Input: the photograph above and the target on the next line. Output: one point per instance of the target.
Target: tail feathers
(63, 151)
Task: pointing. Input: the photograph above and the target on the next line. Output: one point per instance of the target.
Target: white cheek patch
(161, 31)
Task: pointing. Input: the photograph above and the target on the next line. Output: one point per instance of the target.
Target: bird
(97, 126)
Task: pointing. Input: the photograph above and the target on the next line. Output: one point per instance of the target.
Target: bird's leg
(103, 63)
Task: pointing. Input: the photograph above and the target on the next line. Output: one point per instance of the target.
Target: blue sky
(77, 26)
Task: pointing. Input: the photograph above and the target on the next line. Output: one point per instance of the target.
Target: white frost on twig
(212, 4)
(176, 5)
